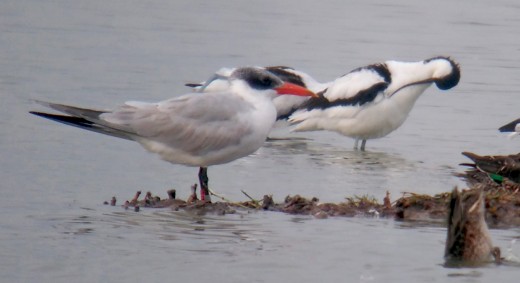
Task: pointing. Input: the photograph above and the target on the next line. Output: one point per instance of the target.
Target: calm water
(100, 53)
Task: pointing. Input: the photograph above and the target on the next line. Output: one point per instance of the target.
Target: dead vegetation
(503, 207)
(499, 182)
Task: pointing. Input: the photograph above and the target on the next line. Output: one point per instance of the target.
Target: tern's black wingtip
(41, 114)
(193, 85)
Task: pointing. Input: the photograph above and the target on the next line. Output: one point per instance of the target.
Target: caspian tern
(370, 102)
(511, 127)
(285, 105)
(193, 129)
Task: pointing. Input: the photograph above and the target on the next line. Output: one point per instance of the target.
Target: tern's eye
(263, 82)
(266, 81)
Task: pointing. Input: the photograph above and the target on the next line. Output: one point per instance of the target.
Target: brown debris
(422, 207)
(503, 209)
(136, 198)
(193, 197)
(502, 206)
(386, 201)
(172, 193)
(267, 201)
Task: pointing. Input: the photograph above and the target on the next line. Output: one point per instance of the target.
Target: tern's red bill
(289, 88)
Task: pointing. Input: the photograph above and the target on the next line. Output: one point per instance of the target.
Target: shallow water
(100, 53)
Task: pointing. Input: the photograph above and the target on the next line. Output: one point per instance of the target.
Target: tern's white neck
(262, 114)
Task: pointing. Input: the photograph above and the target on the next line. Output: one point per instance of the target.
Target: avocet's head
(218, 82)
(447, 73)
(286, 74)
(260, 80)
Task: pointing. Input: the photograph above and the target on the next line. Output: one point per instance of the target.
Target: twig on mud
(257, 203)
(225, 199)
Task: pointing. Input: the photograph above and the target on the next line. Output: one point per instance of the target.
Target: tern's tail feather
(83, 124)
(88, 114)
(83, 118)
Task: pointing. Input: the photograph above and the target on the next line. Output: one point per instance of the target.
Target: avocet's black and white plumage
(193, 129)
(370, 102)
(286, 104)
(511, 127)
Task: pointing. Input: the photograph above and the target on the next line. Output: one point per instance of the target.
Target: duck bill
(293, 89)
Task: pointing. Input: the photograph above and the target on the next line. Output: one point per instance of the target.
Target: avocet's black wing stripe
(361, 98)
(286, 76)
(380, 69)
(358, 87)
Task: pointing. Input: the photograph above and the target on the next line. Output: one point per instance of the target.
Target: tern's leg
(363, 143)
(203, 179)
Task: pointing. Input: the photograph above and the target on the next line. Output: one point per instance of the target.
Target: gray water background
(53, 179)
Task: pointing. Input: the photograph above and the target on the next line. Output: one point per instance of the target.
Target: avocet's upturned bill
(193, 129)
(370, 102)
(285, 105)
(511, 127)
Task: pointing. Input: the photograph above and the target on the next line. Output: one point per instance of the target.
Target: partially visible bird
(372, 101)
(497, 167)
(512, 127)
(219, 82)
(193, 129)
(468, 239)
(285, 105)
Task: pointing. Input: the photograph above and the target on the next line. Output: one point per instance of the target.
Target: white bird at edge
(372, 101)
(512, 127)
(193, 129)
(285, 105)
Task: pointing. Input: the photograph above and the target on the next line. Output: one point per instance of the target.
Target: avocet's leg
(363, 143)
(356, 144)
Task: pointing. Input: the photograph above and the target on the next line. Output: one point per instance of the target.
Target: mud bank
(502, 206)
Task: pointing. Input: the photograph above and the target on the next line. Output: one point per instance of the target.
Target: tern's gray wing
(194, 123)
